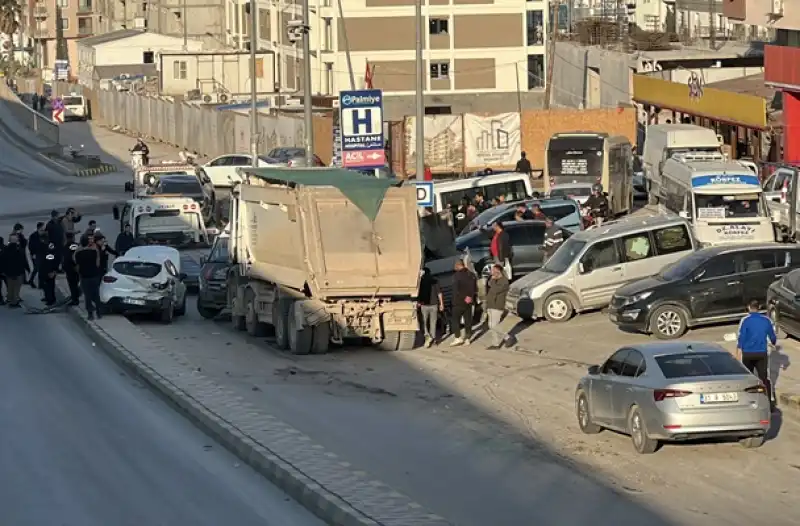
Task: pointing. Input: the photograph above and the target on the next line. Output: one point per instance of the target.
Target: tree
(10, 15)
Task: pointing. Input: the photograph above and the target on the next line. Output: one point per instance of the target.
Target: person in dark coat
(48, 268)
(124, 241)
(465, 292)
(35, 248)
(14, 263)
(104, 250)
(71, 270)
(495, 304)
(55, 234)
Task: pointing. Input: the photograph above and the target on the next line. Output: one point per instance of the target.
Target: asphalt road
(84, 444)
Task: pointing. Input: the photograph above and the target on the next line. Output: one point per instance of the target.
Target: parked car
(589, 267)
(291, 157)
(147, 279)
(563, 211)
(783, 303)
(578, 192)
(527, 241)
(197, 187)
(669, 392)
(213, 294)
(712, 285)
(222, 170)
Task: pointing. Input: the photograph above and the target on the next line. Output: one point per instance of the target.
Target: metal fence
(30, 126)
(198, 129)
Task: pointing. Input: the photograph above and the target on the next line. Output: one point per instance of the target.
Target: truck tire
(300, 338)
(398, 341)
(254, 327)
(236, 320)
(280, 321)
(321, 338)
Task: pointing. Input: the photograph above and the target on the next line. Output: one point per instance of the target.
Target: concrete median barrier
(319, 480)
(35, 130)
(102, 169)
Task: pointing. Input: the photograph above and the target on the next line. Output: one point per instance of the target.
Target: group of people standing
(56, 247)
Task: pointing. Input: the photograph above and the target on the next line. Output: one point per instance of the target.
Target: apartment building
(781, 59)
(202, 20)
(479, 54)
(692, 19)
(79, 19)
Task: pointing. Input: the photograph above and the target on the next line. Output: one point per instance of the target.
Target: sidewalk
(786, 382)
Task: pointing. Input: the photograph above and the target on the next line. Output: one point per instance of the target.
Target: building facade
(79, 19)
(781, 59)
(495, 48)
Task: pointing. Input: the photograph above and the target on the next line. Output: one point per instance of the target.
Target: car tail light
(659, 395)
(194, 206)
(756, 389)
(109, 279)
(186, 207)
(148, 209)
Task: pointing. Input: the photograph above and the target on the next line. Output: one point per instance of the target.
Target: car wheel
(774, 315)
(668, 322)
(209, 313)
(558, 308)
(584, 416)
(181, 311)
(753, 442)
(642, 443)
(168, 313)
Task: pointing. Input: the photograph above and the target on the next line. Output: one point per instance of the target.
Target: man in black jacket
(48, 268)
(35, 248)
(553, 238)
(124, 241)
(524, 165)
(495, 305)
(88, 264)
(14, 263)
(104, 250)
(70, 268)
(55, 233)
(465, 290)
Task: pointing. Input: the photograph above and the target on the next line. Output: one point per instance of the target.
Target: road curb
(102, 169)
(373, 503)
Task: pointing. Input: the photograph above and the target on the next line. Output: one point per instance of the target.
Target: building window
(64, 24)
(440, 70)
(327, 37)
(179, 70)
(85, 26)
(84, 5)
(62, 3)
(438, 26)
(148, 57)
(535, 71)
(535, 26)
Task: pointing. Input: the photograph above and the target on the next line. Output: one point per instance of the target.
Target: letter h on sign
(361, 121)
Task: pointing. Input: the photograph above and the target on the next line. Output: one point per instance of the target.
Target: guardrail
(36, 129)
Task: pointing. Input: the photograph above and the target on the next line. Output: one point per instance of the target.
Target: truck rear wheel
(398, 341)
(254, 327)
(322, 338)
(280, 320)
(300, 338)
(236, 320)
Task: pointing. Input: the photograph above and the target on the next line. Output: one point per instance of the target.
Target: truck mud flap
(310, 313)
(400, 317)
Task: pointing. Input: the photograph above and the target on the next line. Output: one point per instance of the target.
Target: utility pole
(346, 43)
(253, 82)
(712, 27)
(551, 55)
(186, 25)
(420, 93)
(308, 115)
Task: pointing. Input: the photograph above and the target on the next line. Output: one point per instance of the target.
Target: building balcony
(43, 34)
(782, 67)
(85, 31)
(40, 11)
(85, 8)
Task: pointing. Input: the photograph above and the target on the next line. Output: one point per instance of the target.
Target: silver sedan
(673, 391)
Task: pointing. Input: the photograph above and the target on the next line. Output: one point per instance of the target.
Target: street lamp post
(308, 115)
(253, 83)
(420, 93)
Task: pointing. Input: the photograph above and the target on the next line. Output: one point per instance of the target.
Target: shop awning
(740, 109)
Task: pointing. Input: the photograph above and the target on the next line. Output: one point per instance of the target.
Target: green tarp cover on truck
(365, 192)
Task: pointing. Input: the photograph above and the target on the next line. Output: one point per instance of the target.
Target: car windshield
(173, 221)
(72, 101)
(219, 254)
(564, 256)
(691, 364)
(681, 268)
(578, 191)
(284, 154)
(137, 269)
(728, 206)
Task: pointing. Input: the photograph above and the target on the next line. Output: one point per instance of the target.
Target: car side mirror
(182, 276)
(594, 369)
(129, 187)
(684, 214)
(115, 212)
(583, 269)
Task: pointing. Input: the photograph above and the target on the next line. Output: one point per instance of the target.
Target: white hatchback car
(146, 280)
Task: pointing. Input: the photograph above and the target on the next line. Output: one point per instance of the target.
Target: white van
(591, 265)
(723, 200)
(662, 141)
(511, 186)
(75, 107)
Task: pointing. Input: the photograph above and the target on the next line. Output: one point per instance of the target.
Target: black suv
(711, 285)
(527, 240)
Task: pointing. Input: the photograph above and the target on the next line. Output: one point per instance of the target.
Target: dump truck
(322, 255)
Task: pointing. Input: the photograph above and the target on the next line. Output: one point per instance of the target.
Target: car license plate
(719, 398)
(134, 301)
